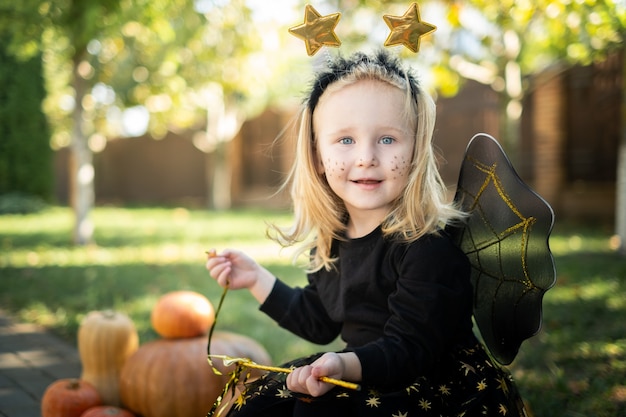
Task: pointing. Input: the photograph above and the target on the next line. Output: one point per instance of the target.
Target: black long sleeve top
(401, 308)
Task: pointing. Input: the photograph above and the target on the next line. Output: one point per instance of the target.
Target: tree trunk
(81, 165)
(620, 192)
(620, 209)
(221, 178)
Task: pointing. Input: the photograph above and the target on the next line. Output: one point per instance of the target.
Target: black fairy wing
(506, 240)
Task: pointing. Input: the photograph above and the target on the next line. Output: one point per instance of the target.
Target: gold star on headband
(407, 29)
(317, 30)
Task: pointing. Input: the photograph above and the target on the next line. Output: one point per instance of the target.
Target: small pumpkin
(68, 397)
(107, 411)
(105, 340)
(180, 314)
(172, 378)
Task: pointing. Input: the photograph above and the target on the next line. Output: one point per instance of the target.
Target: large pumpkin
(172, 378)
(180, 314)
(105, 340)
(68, 397)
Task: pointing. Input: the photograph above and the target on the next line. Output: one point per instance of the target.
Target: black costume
(405, 310)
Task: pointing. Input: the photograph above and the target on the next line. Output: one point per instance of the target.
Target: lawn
(576, 366)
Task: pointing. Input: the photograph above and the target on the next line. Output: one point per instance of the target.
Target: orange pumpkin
(68, 397)
(107, 411)
(172, 378)
(179, 314)
(105, 340)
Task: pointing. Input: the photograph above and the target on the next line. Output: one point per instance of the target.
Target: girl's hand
(306, 379)
(237, 270)
(233, 268)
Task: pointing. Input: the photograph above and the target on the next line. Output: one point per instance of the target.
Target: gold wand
(250, 364)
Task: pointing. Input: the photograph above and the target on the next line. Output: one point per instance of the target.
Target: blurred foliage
(167, 55)
(479, 37)
(25, 157)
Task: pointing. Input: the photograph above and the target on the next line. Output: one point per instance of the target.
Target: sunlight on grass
(581, 241)
(594, 350)
(601, 289)
(52, 220)
(153, 236)
(156, 254)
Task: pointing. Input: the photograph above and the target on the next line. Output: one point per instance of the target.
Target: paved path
(30, 359)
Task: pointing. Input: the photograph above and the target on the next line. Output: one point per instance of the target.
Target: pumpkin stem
(73, 384)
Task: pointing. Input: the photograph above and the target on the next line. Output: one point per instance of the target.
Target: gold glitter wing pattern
(317, 30)
(506, 240)
(407, 29)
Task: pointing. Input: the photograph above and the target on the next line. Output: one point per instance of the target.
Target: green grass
(139, 255)
(576, 366)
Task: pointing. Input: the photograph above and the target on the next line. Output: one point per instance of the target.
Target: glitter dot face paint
(364, 146)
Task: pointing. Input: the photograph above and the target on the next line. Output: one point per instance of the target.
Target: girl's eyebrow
(348, 131)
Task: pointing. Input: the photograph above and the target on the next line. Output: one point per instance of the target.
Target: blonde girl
(371, 209)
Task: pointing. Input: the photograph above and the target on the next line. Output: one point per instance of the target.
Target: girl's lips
(367, 181)
(367, 184)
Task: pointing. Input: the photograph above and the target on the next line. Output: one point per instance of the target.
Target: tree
(25, 156)
(77, 23)
(107, 56)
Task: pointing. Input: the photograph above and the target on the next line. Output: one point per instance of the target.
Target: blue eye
(346, 141)
(387, 140)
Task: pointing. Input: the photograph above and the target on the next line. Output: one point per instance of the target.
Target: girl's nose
(366, 157)
(366, 162)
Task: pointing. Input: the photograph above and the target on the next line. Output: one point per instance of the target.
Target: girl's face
(364, 148)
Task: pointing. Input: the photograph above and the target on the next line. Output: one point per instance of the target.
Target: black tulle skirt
(468, 384)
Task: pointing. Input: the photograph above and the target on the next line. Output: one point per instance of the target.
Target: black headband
(340, 67)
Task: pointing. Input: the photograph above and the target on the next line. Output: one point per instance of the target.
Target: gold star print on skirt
(467, 390)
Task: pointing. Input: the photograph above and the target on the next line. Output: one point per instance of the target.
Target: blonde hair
(320, 215)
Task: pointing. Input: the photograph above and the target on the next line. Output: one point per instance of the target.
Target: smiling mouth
(367, 181)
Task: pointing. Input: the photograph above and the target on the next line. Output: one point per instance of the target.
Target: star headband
(317, 30)
(339, 67)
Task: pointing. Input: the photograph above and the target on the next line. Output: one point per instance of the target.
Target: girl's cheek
(399, 166)
(334, 168)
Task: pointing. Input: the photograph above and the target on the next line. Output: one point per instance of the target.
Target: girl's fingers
(219, 268)
(224, 277)
(293, 380)
(303, 375)
(301, 380)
